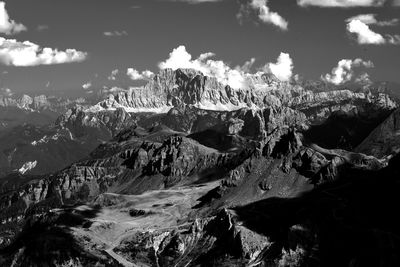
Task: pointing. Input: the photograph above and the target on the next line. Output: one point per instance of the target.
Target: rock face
(188, 87)
(72, 137)
(385, 139)
(38, 103)
(220, 177)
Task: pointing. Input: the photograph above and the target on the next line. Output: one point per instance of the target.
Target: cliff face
(187, 87)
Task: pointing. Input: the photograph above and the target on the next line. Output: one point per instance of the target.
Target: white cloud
(136, 75)
(393, 39)
(107, 90)
(7, 25)
(363, 79)
(370, 19)
(282, 69)
(344, 71)
(115, 33)
(113, 75)
(359, 26)
(87, 85)
(364, 34)
(23, 54)
(6, 92)
(246, 67)
(234, 77)
(341, 3)
(264, 13)
(180, 58)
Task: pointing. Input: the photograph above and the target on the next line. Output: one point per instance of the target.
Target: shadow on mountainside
(47, 241)
(349, 222)
(345, 130)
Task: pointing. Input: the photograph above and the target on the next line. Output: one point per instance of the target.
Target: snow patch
(30, 165)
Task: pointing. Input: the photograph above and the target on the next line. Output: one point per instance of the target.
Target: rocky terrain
(37, 110)
(188, 172)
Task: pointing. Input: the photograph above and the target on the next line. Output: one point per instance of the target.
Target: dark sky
(316, 38)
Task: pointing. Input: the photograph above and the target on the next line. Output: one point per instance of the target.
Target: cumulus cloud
(113, 75)
(264, 13)
(134, 74)
(87, 85)
(359, 26)
(282, 69)
(364, 34)
(180, 58)
(24, 54)
(363, 79)
(6, 92)
(115, 33)
(341, 3)
(7, 25)
(344, 71)
(234, 77)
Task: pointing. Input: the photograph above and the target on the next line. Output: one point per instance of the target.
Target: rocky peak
(186, 87)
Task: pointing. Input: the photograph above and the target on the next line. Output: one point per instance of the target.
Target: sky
(76, 45)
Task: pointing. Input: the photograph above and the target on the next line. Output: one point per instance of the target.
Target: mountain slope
(385, 139)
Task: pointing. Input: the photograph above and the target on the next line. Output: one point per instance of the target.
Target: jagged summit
(188, 87)
(38, 103)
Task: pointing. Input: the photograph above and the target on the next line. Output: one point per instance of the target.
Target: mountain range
(186, 171)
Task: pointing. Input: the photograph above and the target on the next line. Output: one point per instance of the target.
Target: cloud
(263, 12)
(234, 77)
(282, 69)
(393, 39)
(364, 34)
(370, 19)
(363, 79)
(42, 27)
(341, 3)
(344, 71)
(24, 54)
(136, 75)
(6, 92)
(246, 67)
(115, 33)
(113, 75)
(7, 25)
(359, 26)
(87, 85)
